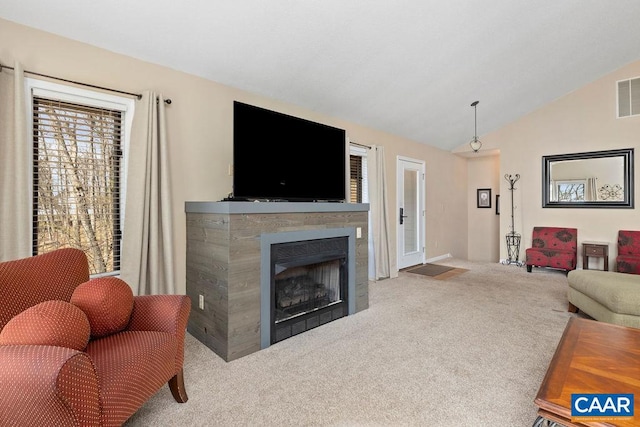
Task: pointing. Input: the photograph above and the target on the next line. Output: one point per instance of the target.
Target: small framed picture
(497, 204)
(484, 197)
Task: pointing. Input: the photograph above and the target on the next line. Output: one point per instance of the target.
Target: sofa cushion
(619, 292)
(107, 302)
(56, 323)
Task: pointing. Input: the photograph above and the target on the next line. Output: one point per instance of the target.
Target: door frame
(421, 167)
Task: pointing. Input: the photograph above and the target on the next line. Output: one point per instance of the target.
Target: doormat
(449, 274)
(431, 270)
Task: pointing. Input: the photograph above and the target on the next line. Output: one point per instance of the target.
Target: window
(78, 149)
(355, 179)
(629, 97)
(358, 191)
(570, 191)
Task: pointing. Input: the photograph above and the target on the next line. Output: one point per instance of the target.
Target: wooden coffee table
(592, 357)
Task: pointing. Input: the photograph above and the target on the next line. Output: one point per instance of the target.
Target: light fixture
(475, 143)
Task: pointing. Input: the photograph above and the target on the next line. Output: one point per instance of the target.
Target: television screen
(279, 157)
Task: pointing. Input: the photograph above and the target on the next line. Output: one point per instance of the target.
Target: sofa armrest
(164, 313)
(47, 385)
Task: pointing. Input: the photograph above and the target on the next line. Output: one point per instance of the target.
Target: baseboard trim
(439, 258)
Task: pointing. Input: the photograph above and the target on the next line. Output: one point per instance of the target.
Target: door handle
(402, 217)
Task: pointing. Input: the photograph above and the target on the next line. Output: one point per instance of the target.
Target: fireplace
(229, 271)
(308, 285)
(308, 278)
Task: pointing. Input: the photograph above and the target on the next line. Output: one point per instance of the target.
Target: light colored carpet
(468, 351)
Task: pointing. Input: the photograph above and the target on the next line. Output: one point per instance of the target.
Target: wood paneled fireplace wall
(229, 264)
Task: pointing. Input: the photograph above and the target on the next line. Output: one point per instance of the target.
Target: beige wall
(584, 120)
(200, 133)
(484, 224)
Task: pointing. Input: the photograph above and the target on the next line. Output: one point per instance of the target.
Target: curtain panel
(147, 245)
(378, 199)
(15, 167)
(591, 192)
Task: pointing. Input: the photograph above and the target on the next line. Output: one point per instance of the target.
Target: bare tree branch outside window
(77, 158)
(570, 192)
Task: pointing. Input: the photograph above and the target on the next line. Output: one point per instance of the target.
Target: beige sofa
(606, 296)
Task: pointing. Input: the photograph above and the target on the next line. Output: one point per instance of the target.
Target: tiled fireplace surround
(227, 250)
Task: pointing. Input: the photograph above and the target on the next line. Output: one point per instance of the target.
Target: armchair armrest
(47, 385)
(163, 313)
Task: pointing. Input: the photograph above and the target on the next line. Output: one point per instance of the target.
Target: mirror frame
(627, 157)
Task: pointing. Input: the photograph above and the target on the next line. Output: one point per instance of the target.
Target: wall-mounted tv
(278, 157)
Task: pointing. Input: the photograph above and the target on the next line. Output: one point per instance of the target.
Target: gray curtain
(147, 252)
(378, 199)
(15, 167)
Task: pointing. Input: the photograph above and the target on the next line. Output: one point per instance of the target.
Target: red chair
(628, 259)
(553, 247)
(80, 352)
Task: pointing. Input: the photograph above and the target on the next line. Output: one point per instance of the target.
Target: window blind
(356, 178)
(629, 97)
(76, 181)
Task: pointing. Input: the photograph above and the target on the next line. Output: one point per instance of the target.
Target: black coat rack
(513, 238)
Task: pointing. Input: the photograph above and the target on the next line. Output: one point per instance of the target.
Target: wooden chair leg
(572, 308)
(176, 385)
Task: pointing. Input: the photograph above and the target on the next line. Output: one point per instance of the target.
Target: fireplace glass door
(309, 285)
(300, 290)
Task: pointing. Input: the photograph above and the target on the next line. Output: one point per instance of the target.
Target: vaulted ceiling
(407, 67)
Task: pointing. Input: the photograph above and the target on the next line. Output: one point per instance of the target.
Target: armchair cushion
(107, 302)
(628, 259)
(56, 323)
(629, 243)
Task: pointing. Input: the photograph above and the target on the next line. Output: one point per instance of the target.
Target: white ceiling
(407, 67)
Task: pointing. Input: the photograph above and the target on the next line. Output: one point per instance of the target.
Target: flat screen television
(278, 157)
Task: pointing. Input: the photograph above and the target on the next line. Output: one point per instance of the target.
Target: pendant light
(475, 143)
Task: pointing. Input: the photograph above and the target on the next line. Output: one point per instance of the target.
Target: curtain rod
(137, 95)
(361, 145)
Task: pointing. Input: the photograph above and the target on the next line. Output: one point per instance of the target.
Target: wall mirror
(596, 179)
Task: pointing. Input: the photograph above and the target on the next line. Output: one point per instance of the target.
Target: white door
(410, 212)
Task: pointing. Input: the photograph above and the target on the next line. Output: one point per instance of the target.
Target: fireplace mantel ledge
(272, 207)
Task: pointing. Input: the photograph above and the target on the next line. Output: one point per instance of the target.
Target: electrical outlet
(358, 232)
(201, 302)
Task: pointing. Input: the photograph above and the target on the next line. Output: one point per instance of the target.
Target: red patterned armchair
(628, 259)
(80, 352)
(554, 247)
